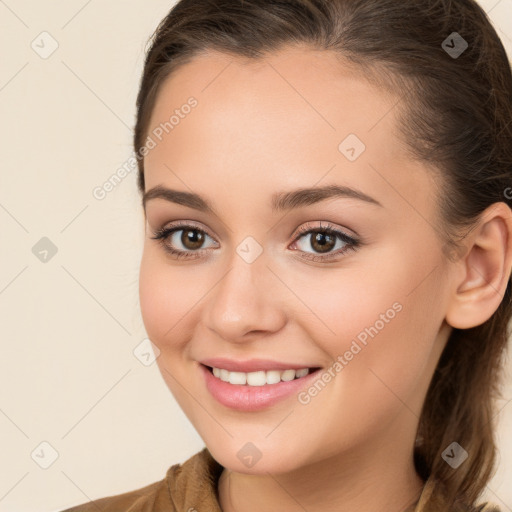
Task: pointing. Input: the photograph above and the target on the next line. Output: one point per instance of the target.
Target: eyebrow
(281, 201)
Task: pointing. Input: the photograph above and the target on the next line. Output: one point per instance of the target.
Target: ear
(482, 274)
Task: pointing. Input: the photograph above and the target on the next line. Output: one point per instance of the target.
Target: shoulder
(191, 484)
(152, 497)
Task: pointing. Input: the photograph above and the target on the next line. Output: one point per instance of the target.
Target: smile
(256, 390)
(259, 378)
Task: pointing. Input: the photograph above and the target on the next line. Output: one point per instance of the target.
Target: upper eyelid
(179, 225)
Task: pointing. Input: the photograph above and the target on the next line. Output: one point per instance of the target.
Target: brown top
(191, 487)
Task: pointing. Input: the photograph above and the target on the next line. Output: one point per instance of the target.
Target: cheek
(166, 297)
(379, 321)
(352, 305)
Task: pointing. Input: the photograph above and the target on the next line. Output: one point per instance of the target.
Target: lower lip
(252, 398)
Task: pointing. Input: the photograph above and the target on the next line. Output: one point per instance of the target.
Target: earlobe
(485, 269)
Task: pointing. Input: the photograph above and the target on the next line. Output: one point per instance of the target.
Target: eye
(186, 240)
(323, 240)
(182, 240)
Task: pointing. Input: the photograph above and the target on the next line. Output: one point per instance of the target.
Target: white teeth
(273, 376)
(256, 378)
(237, 378)
(288, 375)
(259, 378)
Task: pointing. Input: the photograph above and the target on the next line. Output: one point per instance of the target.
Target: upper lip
(252, 365)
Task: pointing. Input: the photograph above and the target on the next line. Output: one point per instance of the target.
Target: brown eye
(319, 243)
(192, 239)
(322, 241)
(183, 240)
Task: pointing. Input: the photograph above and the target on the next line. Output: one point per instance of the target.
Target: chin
(251, 460)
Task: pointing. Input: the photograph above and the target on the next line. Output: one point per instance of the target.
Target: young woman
(326, 270)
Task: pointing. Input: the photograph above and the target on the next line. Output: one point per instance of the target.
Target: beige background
(69, 326)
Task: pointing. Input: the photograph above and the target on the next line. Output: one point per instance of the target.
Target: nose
(245, 302)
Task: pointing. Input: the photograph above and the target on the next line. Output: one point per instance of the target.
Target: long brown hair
(456, 117)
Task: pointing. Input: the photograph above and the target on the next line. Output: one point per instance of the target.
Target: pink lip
(252, 398)
(252, 365)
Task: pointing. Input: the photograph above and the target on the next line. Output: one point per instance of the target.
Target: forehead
(279, 121)
(299, 84)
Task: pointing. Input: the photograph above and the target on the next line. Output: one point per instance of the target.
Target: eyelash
(352, 244)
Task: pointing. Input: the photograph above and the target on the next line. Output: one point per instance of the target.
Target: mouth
(256, 390)
(260, 377)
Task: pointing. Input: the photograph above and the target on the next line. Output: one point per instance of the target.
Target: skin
(262, 127)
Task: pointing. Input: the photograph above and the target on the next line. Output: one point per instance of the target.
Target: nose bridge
(242, 300)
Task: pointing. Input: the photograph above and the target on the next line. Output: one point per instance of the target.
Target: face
(350, 280)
